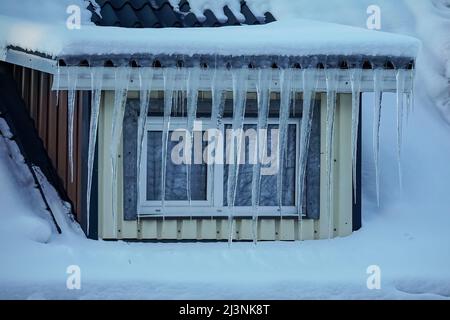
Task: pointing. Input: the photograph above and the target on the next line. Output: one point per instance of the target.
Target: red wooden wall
(49, 113)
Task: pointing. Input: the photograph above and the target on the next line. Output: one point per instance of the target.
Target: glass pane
(269, 192)
(176, 173)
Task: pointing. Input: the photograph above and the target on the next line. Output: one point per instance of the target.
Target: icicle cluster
(239, 102)
(332, 81)
(72, 78)
(169, 82)
(355, 80)
(174, 102)
(192, 101)
(263, 96)
(96, 94)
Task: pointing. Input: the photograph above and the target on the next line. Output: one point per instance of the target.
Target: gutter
(46, 64)
(30, 60)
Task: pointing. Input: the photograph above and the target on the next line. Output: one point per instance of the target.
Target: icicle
(355, 79)
(263, 96)
(401, 77)
(332, 81)
(169, 81)
(285, 104)
(239, 101)
(217, 110)
(309, 77)
(378, 92)
(309, 86)
(122, 78)
(192, 102)
(72, 78)
(96, 94)
(145, 79)
(409, 94)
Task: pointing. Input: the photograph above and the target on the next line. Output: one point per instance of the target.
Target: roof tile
(248, 14)
(232, 20)
(160, 13)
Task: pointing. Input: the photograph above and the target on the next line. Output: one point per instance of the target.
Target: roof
(161, 14)
(284, 43)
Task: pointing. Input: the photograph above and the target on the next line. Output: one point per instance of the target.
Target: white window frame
(210, 207)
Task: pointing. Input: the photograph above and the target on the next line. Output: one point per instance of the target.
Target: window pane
(176, 174)
(269, 193)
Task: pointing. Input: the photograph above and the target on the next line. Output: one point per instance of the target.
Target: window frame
(210, 207)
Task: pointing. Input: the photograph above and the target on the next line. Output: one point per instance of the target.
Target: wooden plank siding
(49, 114)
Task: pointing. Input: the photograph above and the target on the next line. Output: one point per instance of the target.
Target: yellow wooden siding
(217, 229)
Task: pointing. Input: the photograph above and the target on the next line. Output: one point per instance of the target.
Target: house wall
(115, 227)
(49, 114)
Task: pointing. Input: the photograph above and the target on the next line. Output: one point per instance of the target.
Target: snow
(427, 20)
(406, 236)
(296, 37)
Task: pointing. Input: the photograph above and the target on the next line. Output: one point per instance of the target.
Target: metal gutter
(207, 75)
(31, 61)
(48, 65)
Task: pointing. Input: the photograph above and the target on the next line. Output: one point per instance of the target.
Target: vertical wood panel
(62, 138)
(52, 128)
(17, 72)
(43, 108)
(51, 124)
(33, 97)
(25, 86)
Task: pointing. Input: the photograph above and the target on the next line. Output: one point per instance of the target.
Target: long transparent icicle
(401, 78)
(309, 77)
(217, 110)
(332, 81)
(378, 94)
(169, 81)
(72, 78)
(355, 80)
(145, 78)
(96, 94)
(122, 78)
(285, 105)
(263, 96)
(309, 86)
(192, 102)
(239, 99)
(410, 95)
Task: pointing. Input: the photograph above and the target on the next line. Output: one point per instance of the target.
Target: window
(208, 171)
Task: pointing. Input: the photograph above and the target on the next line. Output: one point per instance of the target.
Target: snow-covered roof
(289, 38)
(175, 13)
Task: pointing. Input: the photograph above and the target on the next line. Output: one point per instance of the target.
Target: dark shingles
(158, 3)
(249, 16)
(211, 20)
(138, 4)
(109, 17)
(232, 20)
(191, 21)
(127, 17)
(184, 6)
(118, 4)
(160, 13)
(167, 17)
(148, 18)
(269, 18)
